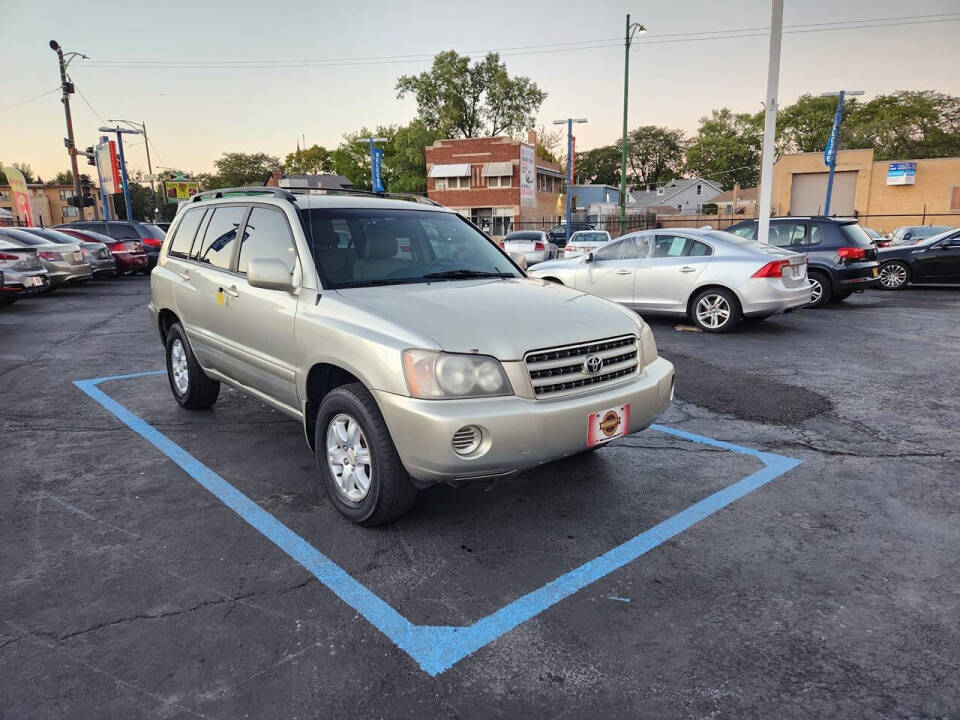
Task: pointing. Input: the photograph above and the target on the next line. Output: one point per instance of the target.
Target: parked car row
(42, 259)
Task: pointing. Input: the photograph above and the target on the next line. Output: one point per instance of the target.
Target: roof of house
(646, 198)
(325, 181)
(745, 195)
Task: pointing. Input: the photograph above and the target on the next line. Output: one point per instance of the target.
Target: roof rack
(366, 193)
(241, 191)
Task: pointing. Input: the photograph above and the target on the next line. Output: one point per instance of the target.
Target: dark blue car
(934, 260)
(842, 258)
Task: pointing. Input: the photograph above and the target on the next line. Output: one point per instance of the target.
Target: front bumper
(517, 433)
(763, 296)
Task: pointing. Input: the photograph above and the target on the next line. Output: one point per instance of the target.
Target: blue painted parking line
(437, 648)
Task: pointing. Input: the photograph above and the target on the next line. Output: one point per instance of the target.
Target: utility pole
(833, 142)
(67, 89)
(142, 127)
(628, 37)
(569, 122)
(770, 120)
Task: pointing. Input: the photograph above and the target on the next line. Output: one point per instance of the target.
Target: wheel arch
(165, 319)
(712, 286)
(320, 380)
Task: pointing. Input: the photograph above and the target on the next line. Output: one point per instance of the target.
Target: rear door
(202, 298)
(613, 272)
(260, 322)
(675, 263)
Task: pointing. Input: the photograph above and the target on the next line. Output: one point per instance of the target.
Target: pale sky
(194, 114)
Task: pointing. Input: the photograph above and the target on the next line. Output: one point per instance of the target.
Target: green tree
(404, 167)
(550, 145)
(22, 167)
(238, 170)
(654, 154)
(457, 98)
(141, 202)
(908, 124)
(309, 161)
(600, 165)
(727, 148)
(64, 177)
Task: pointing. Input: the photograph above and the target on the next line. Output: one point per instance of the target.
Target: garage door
(809, 191)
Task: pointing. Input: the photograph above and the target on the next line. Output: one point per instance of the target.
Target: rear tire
(840, 297)
(715, 311)
(358, 462)
(822, 289)
(894, 275)
(190, 385)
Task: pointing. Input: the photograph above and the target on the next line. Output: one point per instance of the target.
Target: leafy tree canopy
(309, 161)
(457, 98)
(727, 148)
(404, 166)
(654, 154)
(22, 167)
(238, 169)
(599, 166)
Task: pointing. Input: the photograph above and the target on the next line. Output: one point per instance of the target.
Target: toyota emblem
(592, 365)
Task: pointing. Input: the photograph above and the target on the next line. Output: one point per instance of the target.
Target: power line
(35, 97)
(99, 116)
(569, 46)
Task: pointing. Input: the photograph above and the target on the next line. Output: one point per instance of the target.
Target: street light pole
(833, 142)
(67, 88)
(770, 120)
(628, 37)
(569, 122)
(142, 126)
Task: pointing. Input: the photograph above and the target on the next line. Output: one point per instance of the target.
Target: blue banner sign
(376, 161)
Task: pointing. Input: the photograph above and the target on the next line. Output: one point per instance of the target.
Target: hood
(562, 264)
(502, 318)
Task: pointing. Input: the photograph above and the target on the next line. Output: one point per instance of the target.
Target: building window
(502, 221)
(503, 181)
(699, 190)
(70, 211)
(452, 183)
(955, 198)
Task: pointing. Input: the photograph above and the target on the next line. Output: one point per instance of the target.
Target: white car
(584, 241)
(534, 245)
(714, 277)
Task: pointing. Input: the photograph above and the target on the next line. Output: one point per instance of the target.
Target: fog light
(466, 440)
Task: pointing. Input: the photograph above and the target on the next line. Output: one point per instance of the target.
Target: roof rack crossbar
(218, 194)
(368, 193)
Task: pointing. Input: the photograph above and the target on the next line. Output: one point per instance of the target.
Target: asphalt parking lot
(129, 590)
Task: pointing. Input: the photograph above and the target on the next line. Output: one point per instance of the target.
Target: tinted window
(217, 246)
(122, 231)
(669, 246)
(747, 231)
(698, 249)
(815, 236)
(266, 235)
(152, 230)
(524, 236)
(186, 232)
(629, 248)
(787, 234)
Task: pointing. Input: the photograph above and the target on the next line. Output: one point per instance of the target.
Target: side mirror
(588, 258)
(269, 274)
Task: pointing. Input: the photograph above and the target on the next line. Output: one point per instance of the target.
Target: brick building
(48, 204)
(497, 182)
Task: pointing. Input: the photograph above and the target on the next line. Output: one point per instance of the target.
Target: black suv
(149, 235)
(558, 233)
(842, 258)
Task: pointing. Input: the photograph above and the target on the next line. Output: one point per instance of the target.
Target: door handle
(185, 275)
(231, 291)
(687, 269)
(623, 271)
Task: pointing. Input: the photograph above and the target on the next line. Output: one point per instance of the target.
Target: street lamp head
(640, 29)
(54, 45)
(836, 93)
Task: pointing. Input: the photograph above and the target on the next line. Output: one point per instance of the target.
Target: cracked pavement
(129, 591)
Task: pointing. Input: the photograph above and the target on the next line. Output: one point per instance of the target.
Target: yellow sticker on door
(221, 300)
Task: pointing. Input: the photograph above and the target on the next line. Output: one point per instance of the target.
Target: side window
(186, 231)
(216, 249)
(787, 234)
(266, 235)
(627, 248)
(747, 231)
(611, 251)
(669, 246)
(698, 249)
(815, 237)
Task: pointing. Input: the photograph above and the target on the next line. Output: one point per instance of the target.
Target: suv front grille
(560, 371)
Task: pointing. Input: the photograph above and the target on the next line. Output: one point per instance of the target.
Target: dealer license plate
(34, 281)
(608, 424)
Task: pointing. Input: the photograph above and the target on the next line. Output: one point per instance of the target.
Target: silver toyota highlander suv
(412, 349)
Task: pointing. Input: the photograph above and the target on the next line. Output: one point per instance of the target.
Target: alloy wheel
(348, 456)
(178, 363)
(713, 311)
(816, 291)
(893, 276)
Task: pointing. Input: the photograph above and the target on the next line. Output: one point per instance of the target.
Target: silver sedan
(711, 276)
(534, 245)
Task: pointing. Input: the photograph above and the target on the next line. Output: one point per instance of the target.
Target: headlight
(433, 374)
(649, 345)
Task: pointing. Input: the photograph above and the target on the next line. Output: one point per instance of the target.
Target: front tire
(822, 290)
(715, 311)
(894, 275)
(190, 385)
(358, 462)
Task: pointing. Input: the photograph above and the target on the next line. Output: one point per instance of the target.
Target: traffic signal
(86, 191)
(91, 157)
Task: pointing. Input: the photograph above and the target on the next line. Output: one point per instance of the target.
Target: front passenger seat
(380, 257)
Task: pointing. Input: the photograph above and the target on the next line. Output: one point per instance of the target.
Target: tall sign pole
(627, 38)
(123, 174)
(770, 120)
(103, 193)
(569, 122)
(833, 142)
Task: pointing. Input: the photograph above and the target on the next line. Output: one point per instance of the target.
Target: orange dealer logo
(610, 423)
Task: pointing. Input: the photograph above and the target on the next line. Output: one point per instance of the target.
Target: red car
(128, 254)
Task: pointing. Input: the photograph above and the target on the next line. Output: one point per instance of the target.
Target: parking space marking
(437, 648)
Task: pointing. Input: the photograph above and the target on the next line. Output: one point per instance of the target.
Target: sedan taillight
(151, 241)
(49, 255)
(8, 256)
(772, 269)
(852, 253)
(539, 247)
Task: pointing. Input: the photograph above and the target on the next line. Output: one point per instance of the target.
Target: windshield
(53, 236)
(357, 247)
(153, 231)
(589, 237)
(934, 239)
(22, 237)
(917, 232)
(528, 235)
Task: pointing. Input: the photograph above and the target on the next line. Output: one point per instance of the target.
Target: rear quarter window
(186, 231)
(855, 235)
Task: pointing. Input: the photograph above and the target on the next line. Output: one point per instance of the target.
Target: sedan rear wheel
(894, 275)
(716, 311)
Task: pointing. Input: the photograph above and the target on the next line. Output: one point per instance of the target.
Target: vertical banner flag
(830, 153)
(528, 176)
(18, 189)
(573, 157)
(376, 162)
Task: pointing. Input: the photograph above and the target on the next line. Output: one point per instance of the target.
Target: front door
(941, 262)
(613, 271)
(665, 278)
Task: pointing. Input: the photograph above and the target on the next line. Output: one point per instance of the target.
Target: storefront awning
(446, 171)
(549, 171)
(498, 169)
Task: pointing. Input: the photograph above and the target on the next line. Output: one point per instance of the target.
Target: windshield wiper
(455, 274)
